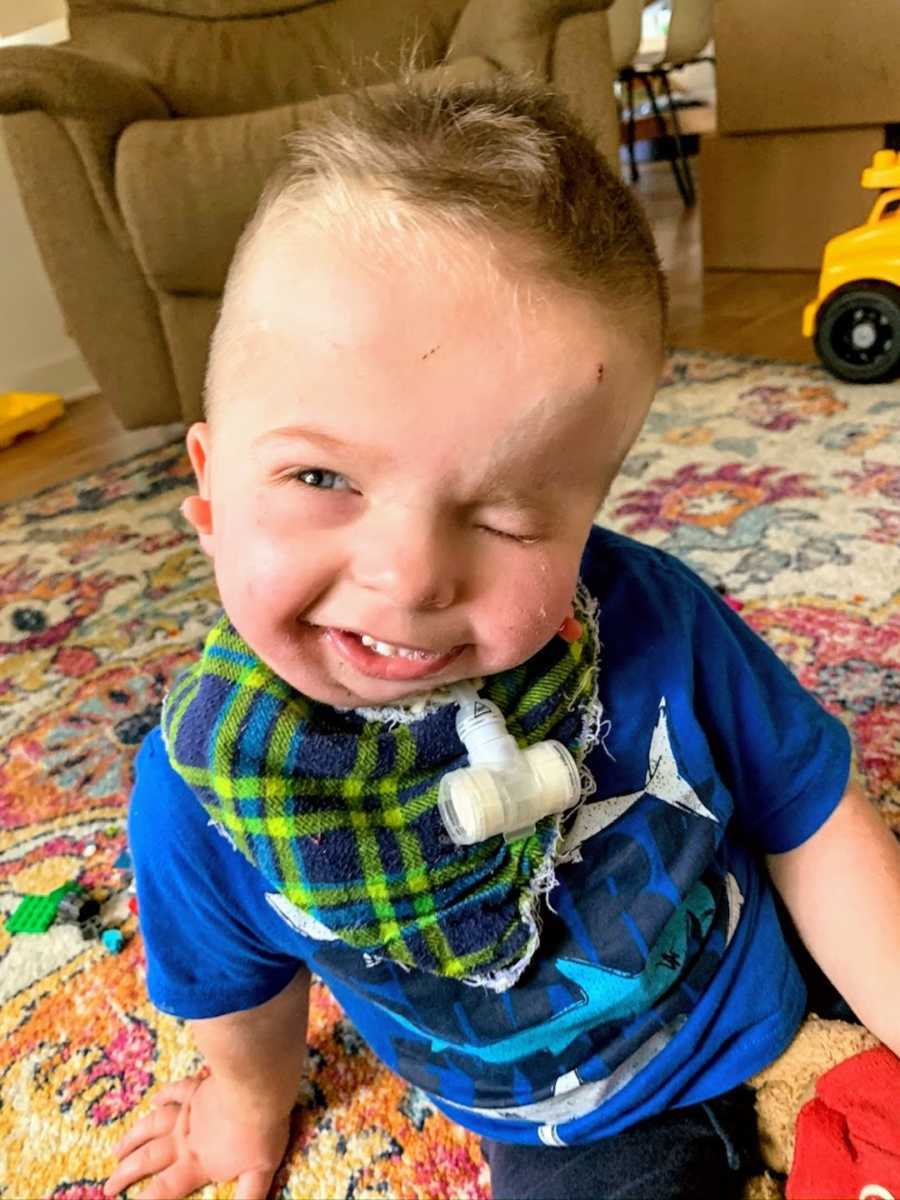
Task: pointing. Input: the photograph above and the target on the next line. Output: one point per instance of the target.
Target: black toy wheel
(858, 333)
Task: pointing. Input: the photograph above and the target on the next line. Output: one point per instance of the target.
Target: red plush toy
(848, 1137)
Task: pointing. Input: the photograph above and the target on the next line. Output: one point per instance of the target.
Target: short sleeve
(785, 760)
(204, 955)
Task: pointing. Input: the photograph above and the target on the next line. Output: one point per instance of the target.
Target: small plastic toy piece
(35, 914)
(113, 940)
(731, 601)
(27, 412)
(91, 928)
(855, 318)
(77, 908)
(123, 862)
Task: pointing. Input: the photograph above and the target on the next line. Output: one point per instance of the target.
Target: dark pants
(703, 1152)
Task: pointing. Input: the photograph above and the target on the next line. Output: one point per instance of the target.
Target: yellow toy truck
(26, 412)
(855, 318)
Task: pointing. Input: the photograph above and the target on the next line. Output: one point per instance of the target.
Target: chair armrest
(516, 35)
(65, 83)
(92, 100)
(583, 73)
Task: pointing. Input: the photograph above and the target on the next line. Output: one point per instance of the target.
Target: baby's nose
(412, 570)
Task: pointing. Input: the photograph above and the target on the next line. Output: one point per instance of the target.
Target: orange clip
(570, 630)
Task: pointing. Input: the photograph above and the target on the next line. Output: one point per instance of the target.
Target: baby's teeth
(379, 647)
(391, 651)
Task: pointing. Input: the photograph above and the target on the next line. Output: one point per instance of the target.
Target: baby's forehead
(293, 290)
(302, 308)
(384, 250)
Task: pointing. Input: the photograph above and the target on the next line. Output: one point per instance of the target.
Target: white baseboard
(68, 377)
(81, 393)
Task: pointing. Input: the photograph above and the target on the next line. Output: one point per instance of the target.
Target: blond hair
(498, 158)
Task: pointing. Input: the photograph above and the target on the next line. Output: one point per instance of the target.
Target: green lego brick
(35, 914)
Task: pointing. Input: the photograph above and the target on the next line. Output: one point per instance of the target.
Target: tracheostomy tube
(504, 789)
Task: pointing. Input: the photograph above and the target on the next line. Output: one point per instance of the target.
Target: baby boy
(440, 336)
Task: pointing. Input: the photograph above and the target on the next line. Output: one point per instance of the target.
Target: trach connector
(503, 789)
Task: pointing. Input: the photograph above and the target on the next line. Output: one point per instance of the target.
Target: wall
(19, 15)
(36, 354)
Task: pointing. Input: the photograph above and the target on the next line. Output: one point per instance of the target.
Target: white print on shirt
(300, 920)
(663, 781)
(571, 1097)
(223, 833)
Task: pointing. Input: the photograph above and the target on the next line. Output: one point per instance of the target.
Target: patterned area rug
(772, 480)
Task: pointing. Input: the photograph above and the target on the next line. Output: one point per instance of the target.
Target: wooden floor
(756, 313)
(733, 312)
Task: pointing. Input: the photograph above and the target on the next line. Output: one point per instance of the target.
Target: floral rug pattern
(773, 481)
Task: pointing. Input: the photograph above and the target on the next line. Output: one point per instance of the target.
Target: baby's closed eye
(521, 538)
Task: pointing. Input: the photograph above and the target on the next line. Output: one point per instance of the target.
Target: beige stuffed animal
(785, 1086)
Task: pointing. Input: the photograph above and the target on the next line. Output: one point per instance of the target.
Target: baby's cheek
(260, 575)
(528, 609)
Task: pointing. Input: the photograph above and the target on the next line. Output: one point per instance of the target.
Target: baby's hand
(187, 1142)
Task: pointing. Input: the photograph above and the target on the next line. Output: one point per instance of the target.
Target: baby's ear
(197, 510)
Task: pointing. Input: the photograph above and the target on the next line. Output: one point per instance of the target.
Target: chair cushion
(213, 10)
(187, 187)
(206, 67)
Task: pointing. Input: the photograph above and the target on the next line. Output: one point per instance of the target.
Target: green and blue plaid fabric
(340, 813)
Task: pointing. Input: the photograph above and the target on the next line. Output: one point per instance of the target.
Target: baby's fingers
(175, 1093)
(253, 1185)
(148, 1159)
(179, 1179)
(156, 1124)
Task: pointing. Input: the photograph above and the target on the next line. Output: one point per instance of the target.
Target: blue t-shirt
(662, 977)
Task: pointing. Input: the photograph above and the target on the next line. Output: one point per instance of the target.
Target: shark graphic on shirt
(662, 781)
(599, 994)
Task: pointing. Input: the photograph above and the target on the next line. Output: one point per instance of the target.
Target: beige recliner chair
(141, 145)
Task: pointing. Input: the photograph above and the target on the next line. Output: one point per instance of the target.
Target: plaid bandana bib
(339, 812)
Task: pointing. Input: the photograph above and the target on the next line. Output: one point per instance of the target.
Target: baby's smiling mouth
(389, 650)
(387, 660)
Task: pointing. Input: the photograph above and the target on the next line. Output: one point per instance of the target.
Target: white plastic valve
(504, 789)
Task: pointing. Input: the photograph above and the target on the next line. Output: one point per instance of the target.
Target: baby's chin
(383, 693)
(374, 694)
(414, 704)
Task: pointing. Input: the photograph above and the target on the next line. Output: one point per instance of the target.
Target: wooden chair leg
(632, 160)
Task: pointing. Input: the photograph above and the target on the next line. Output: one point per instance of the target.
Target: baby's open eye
(318, 477)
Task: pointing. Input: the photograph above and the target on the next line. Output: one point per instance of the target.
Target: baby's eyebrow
(501, 494)
(299, 431)
(318, 436)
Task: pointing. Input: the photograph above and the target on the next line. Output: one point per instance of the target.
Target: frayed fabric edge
(408, 712)
(594, 729)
